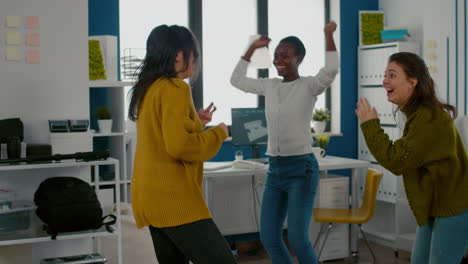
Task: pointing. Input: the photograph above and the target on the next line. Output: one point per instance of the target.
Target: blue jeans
(442, 241)
(290, 189)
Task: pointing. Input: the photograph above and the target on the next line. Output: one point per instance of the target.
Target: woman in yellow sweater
(172, 144)
(430, 156)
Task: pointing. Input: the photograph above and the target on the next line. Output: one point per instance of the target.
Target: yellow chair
(351, 216)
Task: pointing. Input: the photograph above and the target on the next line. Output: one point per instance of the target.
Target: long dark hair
(424, 91)
(162, 46)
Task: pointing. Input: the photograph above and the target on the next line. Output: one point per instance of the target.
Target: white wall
(404, 13)
(439, 27)
(57, 87)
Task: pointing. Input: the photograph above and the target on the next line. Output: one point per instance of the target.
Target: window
(138, 18)
(225, 39)
(225, 27)
(305, 20)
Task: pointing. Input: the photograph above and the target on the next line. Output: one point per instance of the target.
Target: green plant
(322, 140)
(321, 115)
(103, 112)
(371, 26)
(96, 63)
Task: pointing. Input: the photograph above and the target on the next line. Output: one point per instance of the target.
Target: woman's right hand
(261, 42)
(224, 127)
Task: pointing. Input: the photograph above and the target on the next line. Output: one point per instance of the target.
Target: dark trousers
(200, 242)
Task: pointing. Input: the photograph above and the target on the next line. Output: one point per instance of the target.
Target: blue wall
(346, 146)
(103, 16)
(104, 20)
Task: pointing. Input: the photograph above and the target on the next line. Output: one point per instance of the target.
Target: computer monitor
(249, 127)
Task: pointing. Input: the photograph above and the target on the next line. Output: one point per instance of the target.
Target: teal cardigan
(431, 158)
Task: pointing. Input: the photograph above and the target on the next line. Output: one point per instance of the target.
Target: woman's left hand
(330, 28)
(365, 111)
(206, 114)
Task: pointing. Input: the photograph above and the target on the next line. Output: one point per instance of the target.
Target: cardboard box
(71, 142)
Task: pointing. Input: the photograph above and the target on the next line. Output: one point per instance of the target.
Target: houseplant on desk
(320, 117)
(322, 140)
(104, 119)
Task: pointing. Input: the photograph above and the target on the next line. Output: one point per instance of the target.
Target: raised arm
(329, 30)
(327, 74)
(239, 77)
(259, 43)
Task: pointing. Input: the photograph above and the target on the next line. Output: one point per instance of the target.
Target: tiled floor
(383, 254)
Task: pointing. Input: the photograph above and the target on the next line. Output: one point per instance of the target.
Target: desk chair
(351, 216)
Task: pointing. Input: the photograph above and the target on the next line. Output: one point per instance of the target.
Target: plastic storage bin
(79, 259)
(17, 218)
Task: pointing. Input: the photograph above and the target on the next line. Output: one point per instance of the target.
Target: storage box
(17, 218)
(69, 143)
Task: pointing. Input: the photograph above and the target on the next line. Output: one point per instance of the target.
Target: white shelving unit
(115, 141)
(393, 223)
(25, 178)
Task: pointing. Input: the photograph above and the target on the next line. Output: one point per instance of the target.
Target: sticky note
(13, 21)
(32, 39)
(432, 44)
(33, 56)
(32, 22)
(431, 56)
(12, 54)
(432, 69)
(12, 38)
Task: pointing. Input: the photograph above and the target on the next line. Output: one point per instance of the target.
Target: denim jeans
(443, 240)
(289, 190)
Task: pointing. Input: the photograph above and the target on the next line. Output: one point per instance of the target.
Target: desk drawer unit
(334, 193)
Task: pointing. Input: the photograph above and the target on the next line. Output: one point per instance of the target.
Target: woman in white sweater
(293, 172)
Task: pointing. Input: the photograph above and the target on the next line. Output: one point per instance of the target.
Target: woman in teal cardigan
(430, 156)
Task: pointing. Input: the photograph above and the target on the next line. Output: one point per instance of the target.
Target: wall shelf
(112, 134)
(106, 83)
(38, 235)
(56, 164)
(26, 178)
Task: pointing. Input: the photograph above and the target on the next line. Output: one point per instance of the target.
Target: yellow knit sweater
(171, 147)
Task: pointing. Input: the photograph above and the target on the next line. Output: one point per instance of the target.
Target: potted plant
(322, 140)
(320, 118)
(104, 119)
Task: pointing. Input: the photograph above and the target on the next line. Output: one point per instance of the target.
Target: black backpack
(67, 204)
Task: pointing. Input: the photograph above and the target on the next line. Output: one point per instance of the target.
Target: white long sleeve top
(288, 105)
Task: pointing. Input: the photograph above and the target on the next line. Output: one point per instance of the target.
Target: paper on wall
(12, 54)
(32, 39)
(13, 21)
(32, 22)
(261, 57)
(12, 38)
(33, 56)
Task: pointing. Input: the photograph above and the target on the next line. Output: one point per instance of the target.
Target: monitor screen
(249, 126)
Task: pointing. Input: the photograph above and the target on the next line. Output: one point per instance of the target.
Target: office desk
(325, 164)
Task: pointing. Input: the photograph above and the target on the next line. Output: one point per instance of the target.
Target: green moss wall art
(371, 24)
(96, 63)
